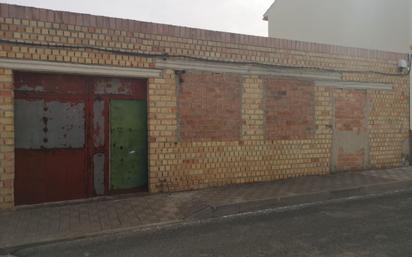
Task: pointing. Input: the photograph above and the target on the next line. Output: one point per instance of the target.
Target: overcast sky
(239, 16)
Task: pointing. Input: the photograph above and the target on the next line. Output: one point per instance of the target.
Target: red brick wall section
(6, 139)
(350, 110)
(209, 107)
(350, 161)
(290, 109)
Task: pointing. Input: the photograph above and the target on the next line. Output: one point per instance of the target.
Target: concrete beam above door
(79, 69)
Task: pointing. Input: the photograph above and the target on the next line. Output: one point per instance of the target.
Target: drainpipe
(410, 95)
(410, 80)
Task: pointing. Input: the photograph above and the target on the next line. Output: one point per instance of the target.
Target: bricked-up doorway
(350, 140)
(62, 136)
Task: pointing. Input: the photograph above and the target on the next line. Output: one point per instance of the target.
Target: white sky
(239, 16)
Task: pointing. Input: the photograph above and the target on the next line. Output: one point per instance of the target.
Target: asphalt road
(375, 227)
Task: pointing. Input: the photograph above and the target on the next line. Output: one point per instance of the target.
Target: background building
(371, 24)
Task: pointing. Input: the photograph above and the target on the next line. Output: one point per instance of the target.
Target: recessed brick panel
(351, 136)
(350, 161)
(209, 107)
(350, 111)
(289, 109)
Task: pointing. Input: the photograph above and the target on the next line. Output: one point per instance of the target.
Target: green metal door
(128, 152)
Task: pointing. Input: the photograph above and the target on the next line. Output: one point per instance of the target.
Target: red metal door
(51, 151)
(62, 134)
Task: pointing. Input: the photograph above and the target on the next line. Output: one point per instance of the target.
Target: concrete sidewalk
(40, 224)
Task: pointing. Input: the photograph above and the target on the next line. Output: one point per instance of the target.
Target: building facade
(93, 105)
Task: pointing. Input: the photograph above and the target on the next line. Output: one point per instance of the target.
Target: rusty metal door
(50, 126)
(63, 136)
(351, 140)
(128, 164)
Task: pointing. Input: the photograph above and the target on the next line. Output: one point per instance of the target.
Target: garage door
(62, 135)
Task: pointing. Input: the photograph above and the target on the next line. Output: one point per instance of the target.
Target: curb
(298, 199)
(225, 210)
(9, 250)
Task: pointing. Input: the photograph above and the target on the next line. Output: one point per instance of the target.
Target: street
(378, 227)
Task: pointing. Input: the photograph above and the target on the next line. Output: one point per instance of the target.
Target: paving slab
(55, 222)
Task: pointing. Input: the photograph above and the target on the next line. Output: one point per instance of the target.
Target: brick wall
(209, 107)
(162, 122)
(252, 109)
(350, 110)
(196, 164)
(290, 109)
(387, 124)
(185, 155)
(6, 139)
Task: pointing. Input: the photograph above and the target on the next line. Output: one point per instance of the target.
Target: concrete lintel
(80, 69)
(246, 69)
(354, 85)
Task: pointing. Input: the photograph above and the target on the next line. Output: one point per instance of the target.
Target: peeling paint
(49, 125)
(56, 116)
(111, 86)
(30, 89)
(98, 123)
(28, 123)
(98, 169)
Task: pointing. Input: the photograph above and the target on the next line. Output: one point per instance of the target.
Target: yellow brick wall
(388, 125)
(38, 34)
(176, 165)
(162, 128)
(6, 139)
(252, 111)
